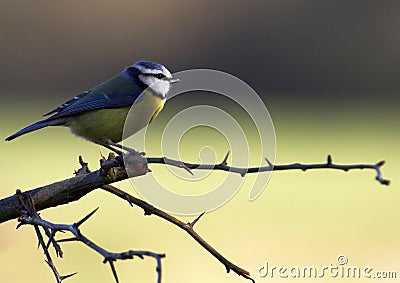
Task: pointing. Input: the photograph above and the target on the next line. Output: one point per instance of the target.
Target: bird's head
(155, 76)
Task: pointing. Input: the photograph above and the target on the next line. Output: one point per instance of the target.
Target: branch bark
(74, 188)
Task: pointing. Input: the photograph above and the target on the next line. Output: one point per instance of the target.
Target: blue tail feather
(36, 126)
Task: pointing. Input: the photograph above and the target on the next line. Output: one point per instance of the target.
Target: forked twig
(28, 216)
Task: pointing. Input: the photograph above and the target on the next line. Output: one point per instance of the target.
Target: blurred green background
(328, 73)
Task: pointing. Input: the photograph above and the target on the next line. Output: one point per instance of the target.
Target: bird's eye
(159, 76)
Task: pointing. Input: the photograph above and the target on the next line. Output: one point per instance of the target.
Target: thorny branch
(223, 166)
(188, 227)
(29, 216)
(28, 210)
(122, 167)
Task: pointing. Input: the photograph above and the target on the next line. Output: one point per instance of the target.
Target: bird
(99, 114)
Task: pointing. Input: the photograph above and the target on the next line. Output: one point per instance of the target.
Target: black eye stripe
(158, 76)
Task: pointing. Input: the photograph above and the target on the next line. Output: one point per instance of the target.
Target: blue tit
(99, 115)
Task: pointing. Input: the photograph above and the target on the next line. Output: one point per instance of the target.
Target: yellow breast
(115, 123)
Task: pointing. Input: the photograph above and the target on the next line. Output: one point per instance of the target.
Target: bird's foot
(128, 149)
(133, 151)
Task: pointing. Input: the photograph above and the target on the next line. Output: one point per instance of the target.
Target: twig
(188, 227)
(109, 257)
(28, 211)
(271, 167)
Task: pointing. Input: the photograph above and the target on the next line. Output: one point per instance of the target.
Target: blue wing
(115, 93)
(68, 103)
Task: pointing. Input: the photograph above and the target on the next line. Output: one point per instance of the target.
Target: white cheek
(147, 80)
(161, 87)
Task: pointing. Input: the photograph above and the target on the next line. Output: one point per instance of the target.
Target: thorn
(183, 165)
(191, 224)
(84, 167)
(329, 161)
(225, 161)
(48, 263)
(128, 199)
(178, 164)
(269, 162)
(80, 159)
(102, 155)
(110, 261)
(228, 269)
(59, 253)
(77, 224)
(380, 163)
(69, 275)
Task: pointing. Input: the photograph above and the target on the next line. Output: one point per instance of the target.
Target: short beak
(173, 80)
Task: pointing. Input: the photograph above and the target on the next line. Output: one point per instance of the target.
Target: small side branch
(223, 166)
(188, 227)
(28, 210)
(30, 217)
